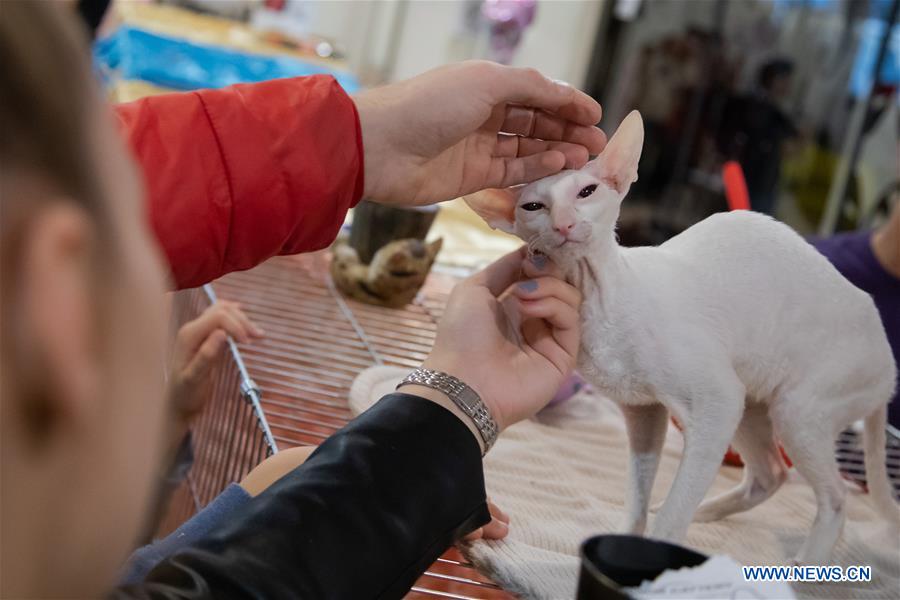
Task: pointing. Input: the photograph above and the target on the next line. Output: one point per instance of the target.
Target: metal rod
(352, 319)
(249, 389)
(852, 147)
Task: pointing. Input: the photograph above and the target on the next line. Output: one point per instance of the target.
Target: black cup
(610, 563)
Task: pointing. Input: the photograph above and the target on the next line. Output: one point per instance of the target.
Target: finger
(506, 172)
(205, 357)
(500, 274)
(495, 530)
(195, 332)
(562, 318)
(245, 321)
(548, 127)
(540, 341)
(540, 265)
(511, 146)
(548, 287)
(497, 513)
(544, 126)
(233, 326)
(528, 87)
(519, 120)
(559, 314)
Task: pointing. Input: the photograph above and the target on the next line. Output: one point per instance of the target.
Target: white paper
(719, 577)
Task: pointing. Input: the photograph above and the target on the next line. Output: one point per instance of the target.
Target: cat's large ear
(496, 206)
(617, 164)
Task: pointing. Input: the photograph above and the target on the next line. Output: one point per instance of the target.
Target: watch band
(463, 396)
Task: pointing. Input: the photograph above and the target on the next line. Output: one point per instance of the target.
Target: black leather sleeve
(366, 514)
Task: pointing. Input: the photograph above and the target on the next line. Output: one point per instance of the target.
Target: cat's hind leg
(647, 425)
(764, 470)
(810, 445)
(709, 420)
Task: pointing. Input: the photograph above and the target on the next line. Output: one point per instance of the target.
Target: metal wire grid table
(291, 388)
(229, 438)
(299, 376)
(850, 457)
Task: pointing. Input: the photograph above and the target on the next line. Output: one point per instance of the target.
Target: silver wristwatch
(461, 395)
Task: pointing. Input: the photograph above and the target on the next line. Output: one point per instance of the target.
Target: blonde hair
(47, 97)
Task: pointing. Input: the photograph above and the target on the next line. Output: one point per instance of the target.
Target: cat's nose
(563, 228)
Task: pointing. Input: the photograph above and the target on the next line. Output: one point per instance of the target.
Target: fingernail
(528, 286)
(539, 261)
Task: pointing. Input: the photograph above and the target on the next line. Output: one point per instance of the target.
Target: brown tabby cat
(393, 278)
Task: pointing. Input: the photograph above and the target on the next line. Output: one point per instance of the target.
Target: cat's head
(563, 214)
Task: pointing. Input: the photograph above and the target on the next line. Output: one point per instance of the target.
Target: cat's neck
(598, 273)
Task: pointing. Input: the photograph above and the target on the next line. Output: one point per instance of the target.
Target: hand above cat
(461, 128)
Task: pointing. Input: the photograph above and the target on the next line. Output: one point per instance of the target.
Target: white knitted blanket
(561, 478)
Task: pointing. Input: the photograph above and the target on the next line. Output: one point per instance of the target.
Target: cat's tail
(876, 470)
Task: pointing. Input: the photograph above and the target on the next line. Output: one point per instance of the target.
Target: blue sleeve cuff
(218, 512)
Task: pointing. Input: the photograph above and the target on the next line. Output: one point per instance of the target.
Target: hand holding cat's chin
(517, 362)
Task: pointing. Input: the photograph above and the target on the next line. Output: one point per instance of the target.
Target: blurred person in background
(754, 130)
(235, 176)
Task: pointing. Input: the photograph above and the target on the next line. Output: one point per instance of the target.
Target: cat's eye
(532, 206)
(585, 192)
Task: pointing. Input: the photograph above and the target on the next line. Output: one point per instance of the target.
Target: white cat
(737, 326)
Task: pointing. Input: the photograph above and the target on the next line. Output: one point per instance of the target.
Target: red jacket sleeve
(236, 175)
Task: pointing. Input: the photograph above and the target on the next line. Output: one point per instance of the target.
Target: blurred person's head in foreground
(82, 412)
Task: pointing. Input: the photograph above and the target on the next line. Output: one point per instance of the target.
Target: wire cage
(850, 457)
(290, 388)
(230, 437)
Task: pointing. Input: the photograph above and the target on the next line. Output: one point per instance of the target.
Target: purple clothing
(851, 254)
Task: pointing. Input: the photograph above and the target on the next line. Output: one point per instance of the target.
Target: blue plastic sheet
(178, 64)
(862, 75)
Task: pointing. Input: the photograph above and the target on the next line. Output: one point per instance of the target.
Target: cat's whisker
(538, 238)
(530, 245)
